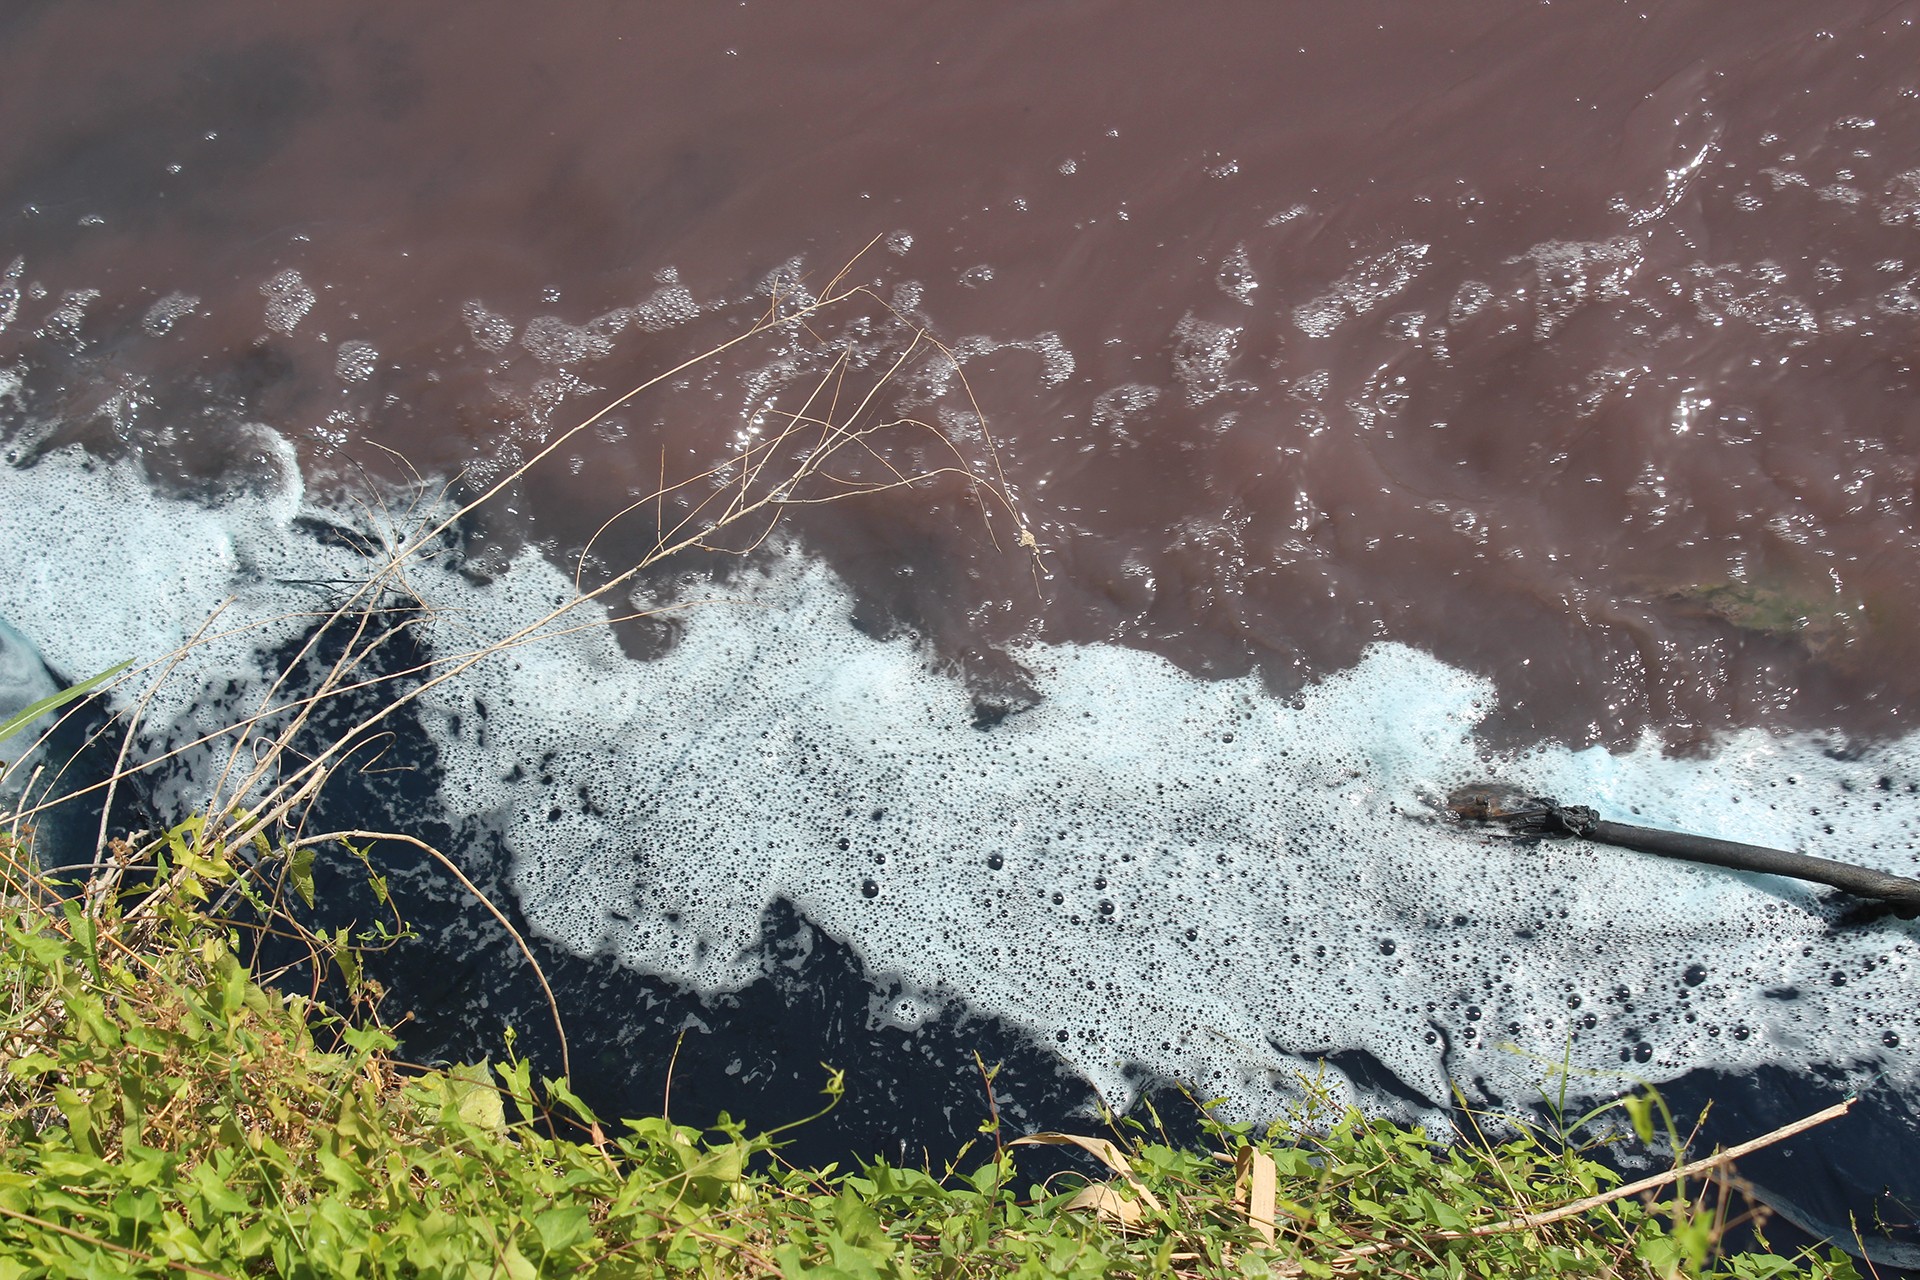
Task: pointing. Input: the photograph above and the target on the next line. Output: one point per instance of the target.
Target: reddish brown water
(1573, 342)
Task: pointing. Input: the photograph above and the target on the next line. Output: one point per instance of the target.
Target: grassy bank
(162, 1112)
(169, 1105)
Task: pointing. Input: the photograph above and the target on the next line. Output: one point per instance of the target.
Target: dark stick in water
(1540, 817)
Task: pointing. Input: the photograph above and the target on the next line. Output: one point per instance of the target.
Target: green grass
(164, 1113)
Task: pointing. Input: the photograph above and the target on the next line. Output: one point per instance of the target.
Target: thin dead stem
(1573, 1209)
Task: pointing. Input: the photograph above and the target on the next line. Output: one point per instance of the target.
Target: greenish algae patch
(1779, 612)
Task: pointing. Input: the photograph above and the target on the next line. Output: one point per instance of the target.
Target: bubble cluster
(1158, 877)
(491, 331)
(668, 307)
(552, 341)
(1569, 274)
(1371, 282)
(288, 300)
(167, 312)
(1116, 406)
(1202, 353)
(62, 325)
(1900, 206)
(1236, 277)
(1164, 877)
(355, 361)
(10, 292)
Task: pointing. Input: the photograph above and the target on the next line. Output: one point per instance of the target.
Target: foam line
(1155, 875)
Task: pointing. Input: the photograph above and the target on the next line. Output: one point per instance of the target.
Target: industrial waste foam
(1158, 877)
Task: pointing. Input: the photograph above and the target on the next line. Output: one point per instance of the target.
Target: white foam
(63, 323)
(491, 331)
(24, 680)
(1236, 277)
(106, 572)
(1900, 206)
(1116, 406)
(1152, 874)
(936, 375)
(1161, 875)
(552, 341)
(667, 307)
(10, 292)
(1202, 353)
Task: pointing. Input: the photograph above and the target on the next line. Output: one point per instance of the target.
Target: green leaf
(557, 1090)
(84, 933)
(516, 1077)
(562, 1228)
(515, 1264)
(859, 1224)
(353, 1124)
(300, 869)
(67, 1168)
(27, 715)
(1639, 1109)
(347, 958)
(32, 1065)
(214, 1190)
(368, 1040)
(474, 1097)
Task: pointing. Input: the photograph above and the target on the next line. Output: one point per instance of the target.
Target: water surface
(1568, 352)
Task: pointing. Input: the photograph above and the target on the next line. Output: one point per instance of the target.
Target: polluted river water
(1320, 406)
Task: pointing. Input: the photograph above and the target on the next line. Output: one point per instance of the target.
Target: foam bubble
(1732, 292)
(491, 331)
(667, 307)
(62, 324)
(167, 312)
(10, 292)
(1202, 352)
(936, 376)
(552, 341)
(1568, 274)
(1370, 282)
(1155, 876)
(1468, 301)
(1161, 876)
(288, 300)
(355, 361)
(1236, 278)
(136, 577)
(24, 680)
(1900, 206)
(1116, 406)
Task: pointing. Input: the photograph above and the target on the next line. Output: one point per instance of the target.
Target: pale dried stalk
(1573, 1209)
